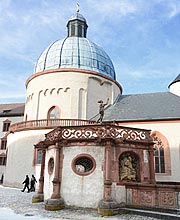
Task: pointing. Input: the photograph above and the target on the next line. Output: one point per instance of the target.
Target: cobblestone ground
(21, 203)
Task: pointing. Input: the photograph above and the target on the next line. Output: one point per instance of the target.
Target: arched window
(54, 113)
(162, 160)
(159, 156)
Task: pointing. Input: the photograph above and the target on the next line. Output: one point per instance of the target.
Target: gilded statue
(78, 7)
(127, 171)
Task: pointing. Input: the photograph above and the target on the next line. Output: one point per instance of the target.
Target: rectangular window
(3, 144)
(39, 156)
(6, 126)
(2, 161)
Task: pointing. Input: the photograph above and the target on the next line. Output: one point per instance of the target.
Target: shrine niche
(128, 167)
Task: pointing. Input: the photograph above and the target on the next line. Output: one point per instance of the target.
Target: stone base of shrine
(54, 204)
(108, 208)
(38, 198)
(159, 195)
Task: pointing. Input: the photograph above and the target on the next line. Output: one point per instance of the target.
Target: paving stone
(20, 203)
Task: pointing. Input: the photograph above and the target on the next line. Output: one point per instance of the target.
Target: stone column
(39, 197)
(107, 206)
(56, 202)
(151, 166)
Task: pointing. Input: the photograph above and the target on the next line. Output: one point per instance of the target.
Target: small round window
(83, 164)
(51, 166)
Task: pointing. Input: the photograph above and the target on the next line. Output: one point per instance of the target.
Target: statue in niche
(101, 110)
(127, 170)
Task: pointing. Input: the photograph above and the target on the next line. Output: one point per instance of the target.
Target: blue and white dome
(76, 51)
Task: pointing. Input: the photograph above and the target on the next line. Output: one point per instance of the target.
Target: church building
(89, 145)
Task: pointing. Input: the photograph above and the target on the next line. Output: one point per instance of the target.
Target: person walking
(32, 184)
(26, 184)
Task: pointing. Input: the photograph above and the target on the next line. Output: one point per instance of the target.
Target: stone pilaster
(56, 202)
(151, 166)
(107, 206)
(39, 197)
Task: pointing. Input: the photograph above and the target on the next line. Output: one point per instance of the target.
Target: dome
(77, 16)
(76, 51)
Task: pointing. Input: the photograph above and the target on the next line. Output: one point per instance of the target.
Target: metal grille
(84, 164)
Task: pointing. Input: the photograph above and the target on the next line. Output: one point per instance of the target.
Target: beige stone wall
(170, 130)
(64, 90)
(82, 191)
(20, 156)
(175, 88)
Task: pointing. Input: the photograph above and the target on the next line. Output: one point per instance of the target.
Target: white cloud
(107, 9)
(174, 8)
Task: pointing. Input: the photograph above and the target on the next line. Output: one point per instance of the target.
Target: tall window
(54, 113)
(73, 30)
(39, 157)
(79, 30)
(2, 161)
(6, 125)
(159, 156)
(3, 144)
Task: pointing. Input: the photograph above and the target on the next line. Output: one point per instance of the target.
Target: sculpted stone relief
(128, 167)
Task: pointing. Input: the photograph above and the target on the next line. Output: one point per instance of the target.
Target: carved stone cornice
(99, 133)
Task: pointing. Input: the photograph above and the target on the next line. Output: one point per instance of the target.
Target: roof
(177, 79)
(76, 52)
(15, 109)
(147, 106)
(78, 16)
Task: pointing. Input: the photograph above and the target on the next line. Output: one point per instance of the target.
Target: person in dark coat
(26, 184)
(2, 178)
(32, 184)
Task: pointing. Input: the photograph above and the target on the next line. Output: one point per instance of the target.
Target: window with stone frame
(83, 164)
(54, 113)
(159, 156)
(3, 144)
(6, 125)
(2, 161)
(39, 157)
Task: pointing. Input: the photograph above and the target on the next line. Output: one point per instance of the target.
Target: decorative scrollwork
(98, 131)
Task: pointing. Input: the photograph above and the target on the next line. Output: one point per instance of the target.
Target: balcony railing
(51, 123)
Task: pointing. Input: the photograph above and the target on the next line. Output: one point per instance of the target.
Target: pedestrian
(26, 184)
(2, 178)
(32, 183)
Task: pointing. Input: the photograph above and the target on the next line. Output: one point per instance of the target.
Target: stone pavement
(20, 203)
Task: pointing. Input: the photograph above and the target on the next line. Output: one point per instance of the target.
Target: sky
(141, 37)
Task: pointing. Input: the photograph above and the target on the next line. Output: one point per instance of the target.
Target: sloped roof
(15, 109)
(147, 106)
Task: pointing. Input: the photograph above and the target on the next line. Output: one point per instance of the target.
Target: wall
(20, 156)
(3, 134)
(169, 129)
(82, 191)
(62, 89)
(175, 88)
